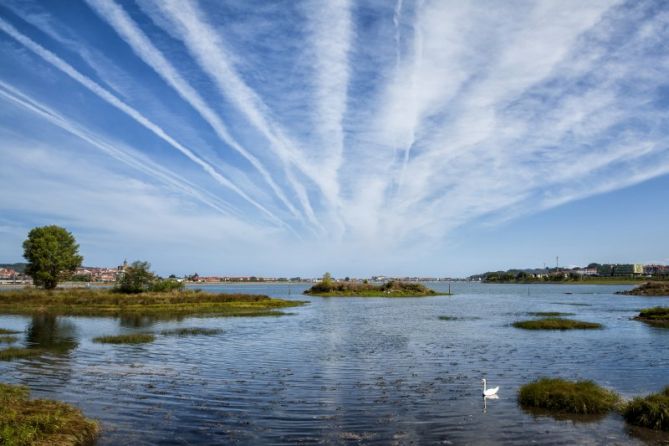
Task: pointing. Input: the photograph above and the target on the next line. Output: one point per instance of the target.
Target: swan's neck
(484, 385)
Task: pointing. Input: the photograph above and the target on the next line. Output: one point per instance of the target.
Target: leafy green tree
(327, 279)
(52, 254)
(136, 278)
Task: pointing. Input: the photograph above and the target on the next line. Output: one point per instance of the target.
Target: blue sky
(367, 137)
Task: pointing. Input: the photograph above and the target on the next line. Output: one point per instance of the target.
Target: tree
(52, 254)
(136, 278)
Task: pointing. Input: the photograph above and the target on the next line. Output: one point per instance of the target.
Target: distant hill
(18, 267)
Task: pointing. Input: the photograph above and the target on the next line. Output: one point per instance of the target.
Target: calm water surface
(351, 370)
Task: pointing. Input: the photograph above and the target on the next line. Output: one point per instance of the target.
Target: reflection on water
(348, 371)
(51, 333)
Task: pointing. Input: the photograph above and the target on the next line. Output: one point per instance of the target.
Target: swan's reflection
(485, 401)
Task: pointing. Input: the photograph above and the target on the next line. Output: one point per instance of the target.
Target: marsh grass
(11, 353)
(658, 316)
(134, 338)
(556, 323)
(562, 396)
(458, 318)
(651, 411)
(8, 339)
(574, 304)
(86, 302)
(4, 331)
(26, 422)
(549, 314)
(193, 331)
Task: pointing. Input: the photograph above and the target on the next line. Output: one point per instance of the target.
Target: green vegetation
(8, 339)
(549, 314)
(100, 302)
(134, 338)
(559, 395)
(9, 354)
(328, 287)
(458, 318)
(194, 331)
(658, 316)
(138, 278)
(25, 422)
(4, 331)
(554, 277)
(556, 323)
(649, 289)
(651, 411)
(52, 254)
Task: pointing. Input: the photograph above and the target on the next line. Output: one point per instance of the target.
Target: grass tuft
(4, 331)
(194, 331)
(9, 354)
(8, 339)
(26, 422)
(458, 318)
(651, 411)
(135, 338)
(556, 323)
(559, 395)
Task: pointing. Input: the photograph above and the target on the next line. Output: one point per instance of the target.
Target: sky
(288, 138)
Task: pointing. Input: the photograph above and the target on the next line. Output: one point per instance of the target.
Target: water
(351, 370)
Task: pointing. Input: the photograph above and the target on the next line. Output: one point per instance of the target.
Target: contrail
(134, 114)
(143, 165)
(205, 46)
(142, 46)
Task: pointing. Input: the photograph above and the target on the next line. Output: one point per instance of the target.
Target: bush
(166, 285)
(651, 411)
(136, 278)
(559, 395)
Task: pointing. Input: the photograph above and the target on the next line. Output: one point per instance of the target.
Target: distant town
(15, 274)
(593, 270)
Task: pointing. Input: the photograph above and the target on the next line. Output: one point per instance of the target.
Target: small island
(648, 289)
(657, 316)
(328, 287)
(556, 323)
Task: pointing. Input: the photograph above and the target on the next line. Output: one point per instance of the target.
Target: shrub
(166, 286)
(559, 395)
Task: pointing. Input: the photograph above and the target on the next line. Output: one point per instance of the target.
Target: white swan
(489, 392)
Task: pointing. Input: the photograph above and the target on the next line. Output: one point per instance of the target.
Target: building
(620, 270)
